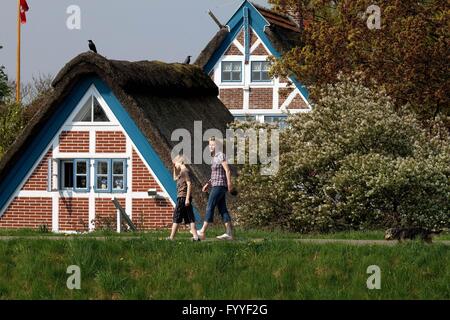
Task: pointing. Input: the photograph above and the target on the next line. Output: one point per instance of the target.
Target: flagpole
(18, 53)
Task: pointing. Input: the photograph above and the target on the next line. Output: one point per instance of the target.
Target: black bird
(92, 46)
(188, 60)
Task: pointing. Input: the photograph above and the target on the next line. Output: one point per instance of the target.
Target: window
(75, 175)
(279, 120)
(245, 118)
(231, 71)
(260, 71)
(66, 174)
(81, 175)
(118, 175)
(91, 112)
(102, 181)
(110, 175)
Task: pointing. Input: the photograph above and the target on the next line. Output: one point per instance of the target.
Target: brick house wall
(232, 98)
(74, 141)
(110, 142)
(39, 179)
(26, 212)
(261, 98)
(152, 214)
(73, 214)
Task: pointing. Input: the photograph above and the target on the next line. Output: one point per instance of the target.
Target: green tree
(352, 163)
(408, 57)
(4, 87)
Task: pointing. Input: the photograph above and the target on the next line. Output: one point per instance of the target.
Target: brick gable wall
(73, 214)
(28, 213)
(110, 142)
(261, 98)
(74, 141)
(232, 98)
(39, 179)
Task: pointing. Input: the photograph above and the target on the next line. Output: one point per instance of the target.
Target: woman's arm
(226, 167)
(188, 194)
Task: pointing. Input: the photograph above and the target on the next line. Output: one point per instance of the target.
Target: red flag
(23, 8)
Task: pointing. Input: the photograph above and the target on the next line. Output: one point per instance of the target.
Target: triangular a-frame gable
(94, 92)
(248, 13)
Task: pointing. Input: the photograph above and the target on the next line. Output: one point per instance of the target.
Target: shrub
(352, 163)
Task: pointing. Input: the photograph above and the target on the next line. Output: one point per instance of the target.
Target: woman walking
(183, 209)
(218, 185)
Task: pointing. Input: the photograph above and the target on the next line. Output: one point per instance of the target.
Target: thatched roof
(159, 97)
(283, 32)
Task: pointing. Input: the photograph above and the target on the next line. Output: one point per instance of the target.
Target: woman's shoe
(201, 235)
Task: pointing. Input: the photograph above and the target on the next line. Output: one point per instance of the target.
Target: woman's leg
(226, 218)
(209, 216)
(174, 230)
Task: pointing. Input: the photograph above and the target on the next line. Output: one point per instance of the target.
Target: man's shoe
(195, 240)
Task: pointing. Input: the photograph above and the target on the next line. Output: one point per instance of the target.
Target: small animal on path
(402, 234)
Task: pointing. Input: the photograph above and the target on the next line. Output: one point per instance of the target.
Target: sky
(166, 30)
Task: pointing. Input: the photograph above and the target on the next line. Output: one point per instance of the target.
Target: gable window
(74, 175)
(260, 71)
(278, 120)
(110, 175)
(245, 118)
(91, 112)
(231, 71)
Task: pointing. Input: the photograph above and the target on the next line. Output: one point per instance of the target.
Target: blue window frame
(74, 175)
(260, 71)
(119, 169)
(110, 175)
(231, 71)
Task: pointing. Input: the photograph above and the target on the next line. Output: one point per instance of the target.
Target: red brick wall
(232, 98)
(28, 213)
(261, 98)
(283, 94)
(152, 214)
(74, 141)
(298, 103)
(73, 214)
(106, 213)
(260, 51)
(142, 178)
(233, 51)
(39, 178)
(110, 142)
(241, 37)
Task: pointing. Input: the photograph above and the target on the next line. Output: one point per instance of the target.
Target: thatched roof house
(147, 100)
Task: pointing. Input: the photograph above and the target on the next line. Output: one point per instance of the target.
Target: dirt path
(312, 241)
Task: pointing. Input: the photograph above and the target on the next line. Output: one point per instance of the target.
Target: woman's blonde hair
(218, 142)
(179, 159)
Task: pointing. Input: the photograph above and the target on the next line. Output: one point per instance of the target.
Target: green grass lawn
(149, 268)
(246, 234)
